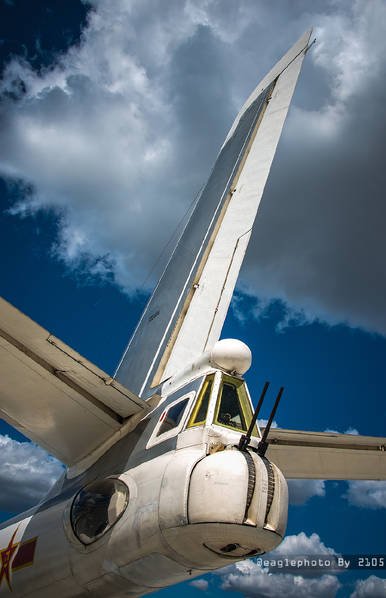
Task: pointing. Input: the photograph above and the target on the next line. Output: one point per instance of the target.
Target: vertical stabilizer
(186, 312)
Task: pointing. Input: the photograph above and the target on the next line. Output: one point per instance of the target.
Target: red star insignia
(6, 556)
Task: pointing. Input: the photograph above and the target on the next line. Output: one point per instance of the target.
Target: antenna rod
(263, 444)
(246, 438)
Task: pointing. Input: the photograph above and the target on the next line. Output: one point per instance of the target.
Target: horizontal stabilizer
(327, 455)
(53, 395)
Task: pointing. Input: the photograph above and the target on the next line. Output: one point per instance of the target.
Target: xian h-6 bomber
(168, 475)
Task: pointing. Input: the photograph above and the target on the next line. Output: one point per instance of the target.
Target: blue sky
(93, 127)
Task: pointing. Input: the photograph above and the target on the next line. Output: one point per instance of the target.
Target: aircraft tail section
(186, 311)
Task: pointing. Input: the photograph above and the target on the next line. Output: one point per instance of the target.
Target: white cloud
(372, 587)
(301, 544)
(88, 133)
(263, 422)
(249, 578)
(300, 491)
(370, 494)
(98, 137)
(324, 199)
(351, 430)
(27, 473)
(200, 584)
(120, 132)
(262, 585)
(346, 50)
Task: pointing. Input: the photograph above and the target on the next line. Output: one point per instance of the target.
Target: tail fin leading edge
(187, 309)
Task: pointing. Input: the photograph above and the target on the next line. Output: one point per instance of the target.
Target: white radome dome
(231, 355)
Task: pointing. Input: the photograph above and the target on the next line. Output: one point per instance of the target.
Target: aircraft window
(172, 417)
(97, 507)
(233, 408)
(201, 407)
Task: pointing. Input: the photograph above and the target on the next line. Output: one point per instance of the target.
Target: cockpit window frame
(244, 401)
(209, 379)
(157, 439)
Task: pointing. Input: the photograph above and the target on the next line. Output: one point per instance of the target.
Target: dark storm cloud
(319, 241)
(119, 134)
(26, 474)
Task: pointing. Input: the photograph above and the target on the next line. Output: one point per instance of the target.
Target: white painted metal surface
(296, 50)
(185, 314)
(154, 543)
(199, 504)
(53, 395)
(204, 319)
(327, 456)
(213, 492)
(231, 355)
(156, 437)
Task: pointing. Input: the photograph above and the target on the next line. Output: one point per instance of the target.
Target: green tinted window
(201, 407)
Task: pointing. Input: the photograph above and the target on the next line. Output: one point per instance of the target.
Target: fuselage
(173, 499)
(150, 502)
